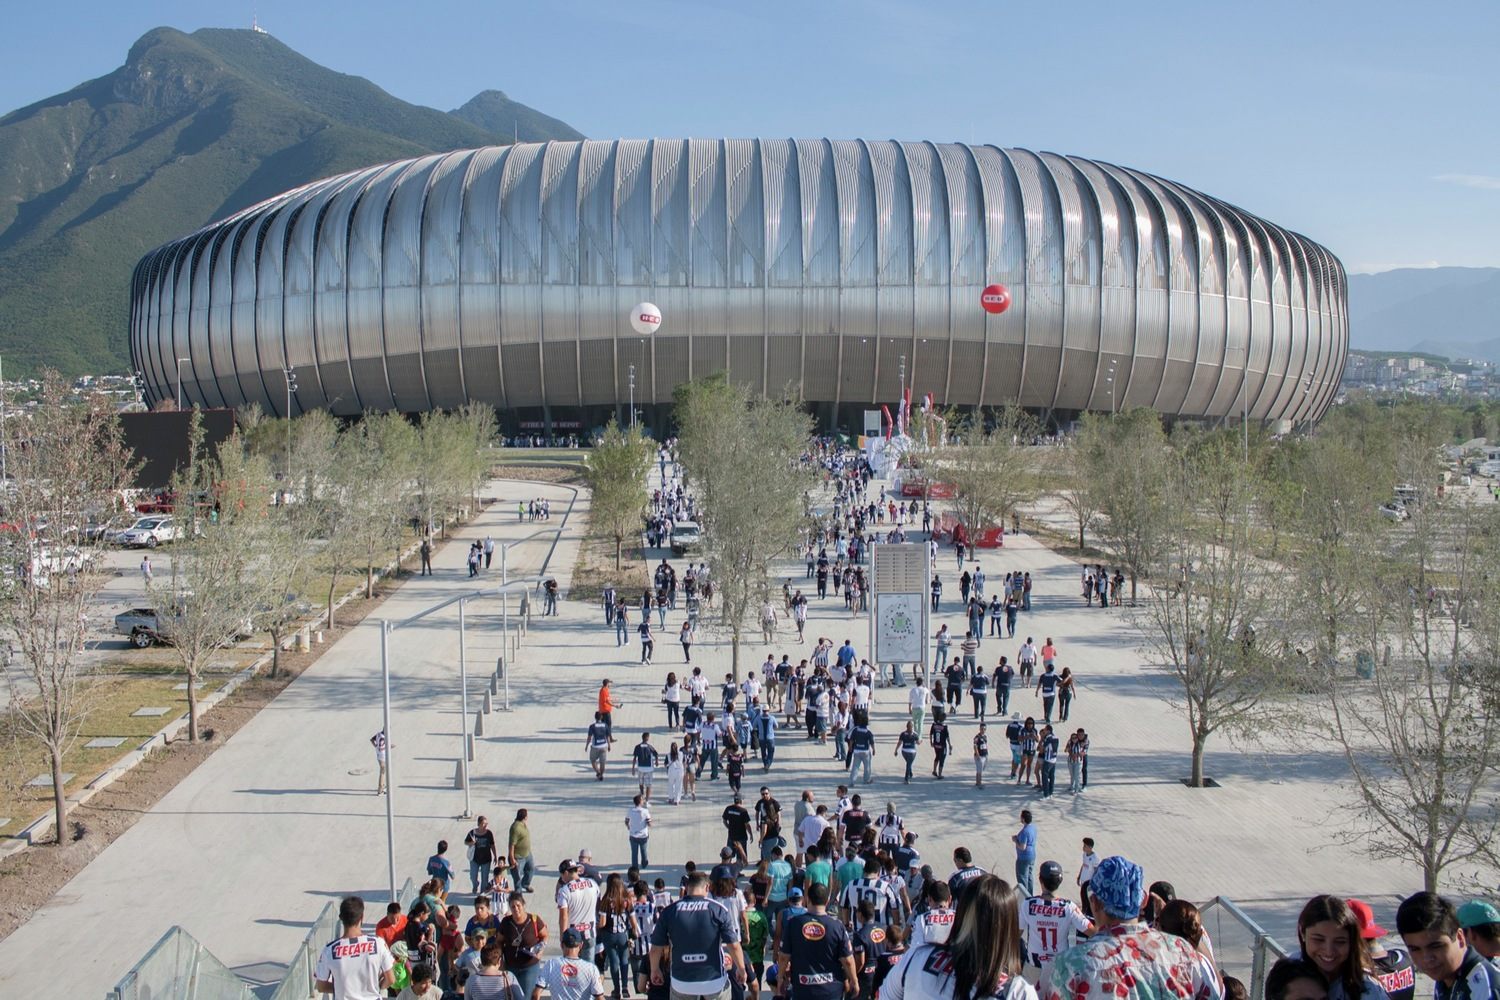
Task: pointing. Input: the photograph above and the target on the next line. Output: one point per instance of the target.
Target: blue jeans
(638, 857)
(617, 957)
(1002, 699)
(767, 752)
(896, 676)
(980, 698)
(710, 755)
(1049, 778)
(1024, 872)
(940, 660)
(526, 976)
(838, 744)
(525, 869)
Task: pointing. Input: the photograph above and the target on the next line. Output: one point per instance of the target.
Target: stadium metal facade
(508, 275)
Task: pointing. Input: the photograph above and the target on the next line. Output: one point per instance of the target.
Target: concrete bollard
(304, 640)
(494, 683)
(489, 704)
(318, 637)
(478, 723)
(458, 775)
(469, 741)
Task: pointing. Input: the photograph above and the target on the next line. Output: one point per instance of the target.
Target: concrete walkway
(247, 850)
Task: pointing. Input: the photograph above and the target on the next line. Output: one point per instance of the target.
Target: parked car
(686, 537)
(101, 529)
(141, 625)
(150, 532)
(1394, 511)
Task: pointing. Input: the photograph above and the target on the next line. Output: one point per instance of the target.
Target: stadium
(841, 270)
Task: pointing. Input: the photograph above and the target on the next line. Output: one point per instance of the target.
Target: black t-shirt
(981, 744)
(1048, 684)
(963, 877)
(870, 943)
(1013, 733)
(816, 944)
(938, 736)
(861, 739)
(768, 812)
(955, 675)
(644, 755)
(856, 822)
(737, 822)
(981, 682)
(909, 741)
(484, 845)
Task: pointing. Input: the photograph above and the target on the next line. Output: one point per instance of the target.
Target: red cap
(1368, 928)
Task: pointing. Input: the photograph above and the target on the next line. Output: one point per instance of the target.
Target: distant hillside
(497, 114)
(1450, 311)
(190, 129)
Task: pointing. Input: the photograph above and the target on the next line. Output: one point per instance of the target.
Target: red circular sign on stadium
(995, 299)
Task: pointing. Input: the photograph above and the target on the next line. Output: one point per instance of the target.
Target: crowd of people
(827, 900)
(841, 904)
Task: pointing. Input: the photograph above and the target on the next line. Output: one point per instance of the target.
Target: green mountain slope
(188, 130)
(497, 114)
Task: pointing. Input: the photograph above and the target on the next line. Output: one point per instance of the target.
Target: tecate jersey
(931, 927)
(1045, 926)
(926, 973)
(581, 897)
(354, 966)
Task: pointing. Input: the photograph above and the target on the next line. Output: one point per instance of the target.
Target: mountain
(1452, 311)
(190, 129)
(497, 114)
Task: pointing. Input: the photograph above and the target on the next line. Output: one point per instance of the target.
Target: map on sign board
(899, 632)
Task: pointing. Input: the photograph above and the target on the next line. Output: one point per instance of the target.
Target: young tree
(67, 464)
(1420, 730)
(1071, 475)
(616, 471)
(743, 456)
(222, 573)
(372, 471)
(1128, 465)
(991, 471)
(287, 551)
(1219, 630)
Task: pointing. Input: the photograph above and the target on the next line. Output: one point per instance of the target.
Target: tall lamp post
(632, 397)
(1110, 381)
(179, 381)
(291, 387)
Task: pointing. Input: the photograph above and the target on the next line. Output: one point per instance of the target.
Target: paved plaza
(283, 818)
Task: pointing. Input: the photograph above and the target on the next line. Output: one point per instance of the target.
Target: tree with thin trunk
(222, 562)
(67, 464)
(1070, 474)
(616, 471)
(743, 454)
(1416, 715)
(373, 473)
(1215, 617)
(991, 470)
(1129, 466)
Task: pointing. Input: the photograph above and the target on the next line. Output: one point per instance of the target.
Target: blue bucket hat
(1120, 885)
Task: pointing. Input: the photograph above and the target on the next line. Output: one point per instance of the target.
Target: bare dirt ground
(30, 878)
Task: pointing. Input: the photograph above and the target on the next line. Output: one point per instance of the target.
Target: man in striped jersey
(871, 888)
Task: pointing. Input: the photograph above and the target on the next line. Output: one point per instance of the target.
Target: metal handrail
(1263, 945)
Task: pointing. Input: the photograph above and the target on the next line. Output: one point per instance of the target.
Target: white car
(150, 532)
(1394, 512)
(686, 537)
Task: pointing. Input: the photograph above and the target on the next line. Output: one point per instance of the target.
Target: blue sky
(1370, 127)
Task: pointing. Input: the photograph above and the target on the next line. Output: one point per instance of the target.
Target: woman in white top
(671, 696)
(674, 775)
(981, 958)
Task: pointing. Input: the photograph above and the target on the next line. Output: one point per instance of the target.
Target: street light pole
(390, 756)
(291, 387)
(179, 381)
(463, 678)
(632, 397)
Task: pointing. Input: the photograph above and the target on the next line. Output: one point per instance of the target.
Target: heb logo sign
(995, 299)
(649, 319)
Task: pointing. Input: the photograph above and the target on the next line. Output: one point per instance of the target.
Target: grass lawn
(113, 699)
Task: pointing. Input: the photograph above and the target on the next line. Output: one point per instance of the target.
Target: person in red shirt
(606, 710)
(392, 926)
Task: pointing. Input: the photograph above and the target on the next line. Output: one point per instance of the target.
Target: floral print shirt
(1129, 961)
